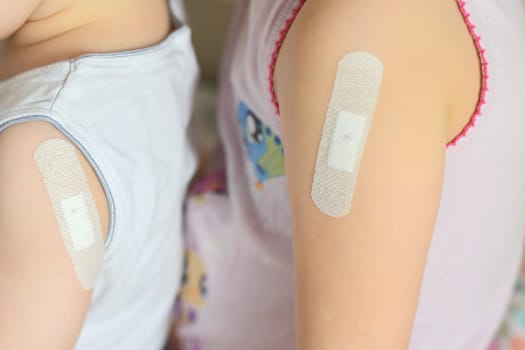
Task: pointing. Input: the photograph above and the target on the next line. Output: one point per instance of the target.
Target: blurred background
(209, 20)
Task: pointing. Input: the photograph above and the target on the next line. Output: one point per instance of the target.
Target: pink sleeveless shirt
(240, 273)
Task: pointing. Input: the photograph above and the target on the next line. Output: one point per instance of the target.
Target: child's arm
(13, 14)
(42, 303)
(358, 277)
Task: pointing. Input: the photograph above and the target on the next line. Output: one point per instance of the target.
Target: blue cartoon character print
(263, 147)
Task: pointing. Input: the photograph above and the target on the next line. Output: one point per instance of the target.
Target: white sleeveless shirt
(128, 113)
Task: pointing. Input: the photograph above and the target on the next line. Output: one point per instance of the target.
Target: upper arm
(358, 277)
(43, 304)
(13, 14)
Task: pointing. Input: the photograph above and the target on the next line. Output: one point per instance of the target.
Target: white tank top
(128, 113)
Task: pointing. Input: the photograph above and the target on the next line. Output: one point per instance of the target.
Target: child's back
(77, 71)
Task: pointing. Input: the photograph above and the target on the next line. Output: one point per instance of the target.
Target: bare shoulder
(33, 259)
(20, 175)
(398, 183)
(426, 47)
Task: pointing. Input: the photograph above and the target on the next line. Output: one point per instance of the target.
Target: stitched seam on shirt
(61, 88)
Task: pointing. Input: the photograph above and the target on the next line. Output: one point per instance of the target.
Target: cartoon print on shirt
(263, 147)
(193, 290)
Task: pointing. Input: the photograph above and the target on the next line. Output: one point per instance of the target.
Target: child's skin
(358, 277)
(43, 306)
(36, 33)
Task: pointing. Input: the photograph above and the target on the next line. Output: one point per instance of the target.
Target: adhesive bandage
(74, 208)
(345, 132)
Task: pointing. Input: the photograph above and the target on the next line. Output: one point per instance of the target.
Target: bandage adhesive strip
(74, 208)
(345, 132)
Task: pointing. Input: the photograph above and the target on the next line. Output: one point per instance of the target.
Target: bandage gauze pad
(74, 208)
(345, 132)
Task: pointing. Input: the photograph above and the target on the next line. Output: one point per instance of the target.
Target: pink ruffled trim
(277, 48)
(484, 75)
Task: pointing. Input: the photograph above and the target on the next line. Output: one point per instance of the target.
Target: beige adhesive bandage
(74, 208)
(347, 124)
